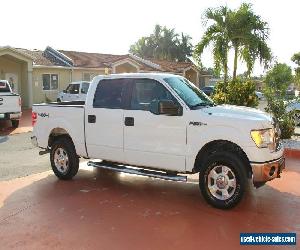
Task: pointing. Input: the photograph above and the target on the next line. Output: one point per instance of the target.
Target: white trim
(124, 61)
(147, 62)
(38, 66)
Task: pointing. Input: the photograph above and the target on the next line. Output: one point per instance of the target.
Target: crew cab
(162, 126)
(10, 104)
(76, 91)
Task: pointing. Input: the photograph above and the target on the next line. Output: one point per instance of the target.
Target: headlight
(264, 138)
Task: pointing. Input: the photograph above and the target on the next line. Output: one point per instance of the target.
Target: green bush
(236, 93)
(276, 105)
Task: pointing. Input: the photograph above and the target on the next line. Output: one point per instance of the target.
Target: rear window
(4, 87)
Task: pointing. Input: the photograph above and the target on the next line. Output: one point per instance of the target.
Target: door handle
(91, 119)
(129, 121)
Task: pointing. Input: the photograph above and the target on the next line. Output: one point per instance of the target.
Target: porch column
(29, 82)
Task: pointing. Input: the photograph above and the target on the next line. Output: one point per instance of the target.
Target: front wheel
(222, 180)
(63, 158)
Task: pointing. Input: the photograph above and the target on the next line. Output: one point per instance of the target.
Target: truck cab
(76, 91)
(163, 126)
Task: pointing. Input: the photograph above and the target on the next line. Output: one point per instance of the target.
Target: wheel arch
(57, 133)
(221, 145)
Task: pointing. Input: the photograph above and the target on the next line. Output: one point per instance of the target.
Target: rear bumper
(267, 171)
(11, 116)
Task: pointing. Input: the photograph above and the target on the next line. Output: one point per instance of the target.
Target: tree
(164, 44)
(296, 59)
(217, 36)
(241, 30)
(279, 77)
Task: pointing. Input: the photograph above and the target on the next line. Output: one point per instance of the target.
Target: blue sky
(112, 26)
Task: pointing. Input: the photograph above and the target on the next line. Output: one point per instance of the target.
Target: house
(39, 75)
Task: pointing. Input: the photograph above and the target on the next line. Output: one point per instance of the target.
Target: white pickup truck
(10, 104)
(161, 125)
(76, 91)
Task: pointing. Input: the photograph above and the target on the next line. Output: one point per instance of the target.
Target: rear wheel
(15, 123)
(222, 180)
(63, 157)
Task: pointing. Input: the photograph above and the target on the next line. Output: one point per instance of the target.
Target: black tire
(72, 161)
(236, 173)
(15, 123)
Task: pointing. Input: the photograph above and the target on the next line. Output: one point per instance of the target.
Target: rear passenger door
(105, 119)
(150, 140)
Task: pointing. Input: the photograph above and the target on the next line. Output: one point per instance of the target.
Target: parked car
(164, 126)
(208, 90)
(259, 95)
(76, 91)
(10, 104)
(295, 106)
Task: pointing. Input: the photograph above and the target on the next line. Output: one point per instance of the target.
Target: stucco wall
(78, 73)
(39, 95)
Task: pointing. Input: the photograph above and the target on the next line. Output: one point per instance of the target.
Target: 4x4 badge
(197, 123)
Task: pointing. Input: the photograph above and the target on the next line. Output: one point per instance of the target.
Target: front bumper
(263, 172)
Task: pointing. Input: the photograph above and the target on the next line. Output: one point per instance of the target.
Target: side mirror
(165, 107)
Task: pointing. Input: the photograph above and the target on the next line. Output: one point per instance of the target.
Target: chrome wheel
(61, 160)
(221, 182)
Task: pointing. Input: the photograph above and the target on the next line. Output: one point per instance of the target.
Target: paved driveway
(105, 210)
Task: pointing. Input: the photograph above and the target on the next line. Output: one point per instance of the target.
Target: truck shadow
(108, 210)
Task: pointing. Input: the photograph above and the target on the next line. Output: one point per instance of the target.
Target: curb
(293, 153)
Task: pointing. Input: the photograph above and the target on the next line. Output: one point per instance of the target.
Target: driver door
(157, 141)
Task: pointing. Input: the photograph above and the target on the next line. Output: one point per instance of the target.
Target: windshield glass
(189, 93)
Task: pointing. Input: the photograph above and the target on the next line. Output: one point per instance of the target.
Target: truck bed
(61, 117)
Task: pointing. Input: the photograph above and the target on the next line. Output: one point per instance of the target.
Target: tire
(222, 180)
(58, 100)
(15, 123)
(63, 158)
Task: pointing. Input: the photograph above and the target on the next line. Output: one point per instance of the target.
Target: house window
(87, 76)
(50, 81)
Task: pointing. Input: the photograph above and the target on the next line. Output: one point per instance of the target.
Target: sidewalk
(24, 126)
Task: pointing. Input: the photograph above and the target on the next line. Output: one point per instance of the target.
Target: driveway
(101, 209)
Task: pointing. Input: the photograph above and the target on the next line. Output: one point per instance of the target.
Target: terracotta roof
(97, 60)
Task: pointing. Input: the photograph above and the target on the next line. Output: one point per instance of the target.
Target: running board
(138, 171)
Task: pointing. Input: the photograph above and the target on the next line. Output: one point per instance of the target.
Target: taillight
(33, 118)
(20, 101)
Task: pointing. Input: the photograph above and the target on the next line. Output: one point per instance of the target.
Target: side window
(74, 89)
(110, 94)
(85, 87)
(145, 91)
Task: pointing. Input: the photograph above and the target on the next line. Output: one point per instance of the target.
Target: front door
(12, 78)
(150, 140)
(104, 121)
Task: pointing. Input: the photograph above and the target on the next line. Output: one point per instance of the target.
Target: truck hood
(240, 113)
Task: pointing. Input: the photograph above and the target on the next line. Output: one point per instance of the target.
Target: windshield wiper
(203, 104)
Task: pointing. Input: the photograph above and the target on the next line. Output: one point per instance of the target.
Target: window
(88, 76)
(50, 81)
(85, 87)
(191, 95)
(110, 94)
(4, 87)
(74, 89)
(145, 91)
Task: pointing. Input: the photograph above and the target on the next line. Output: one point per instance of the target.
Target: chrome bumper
(34, 141)
(15, 116)
(263, 172)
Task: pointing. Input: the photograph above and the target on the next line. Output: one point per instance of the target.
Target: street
(101, 209)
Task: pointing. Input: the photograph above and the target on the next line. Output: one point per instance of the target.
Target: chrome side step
(138, 171)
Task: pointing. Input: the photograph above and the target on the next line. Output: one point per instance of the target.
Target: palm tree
(248, 35)
(217, 36)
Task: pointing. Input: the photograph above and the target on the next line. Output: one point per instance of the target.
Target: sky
(111, 26)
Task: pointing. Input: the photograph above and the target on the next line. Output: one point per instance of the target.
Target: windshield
(189, 93)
